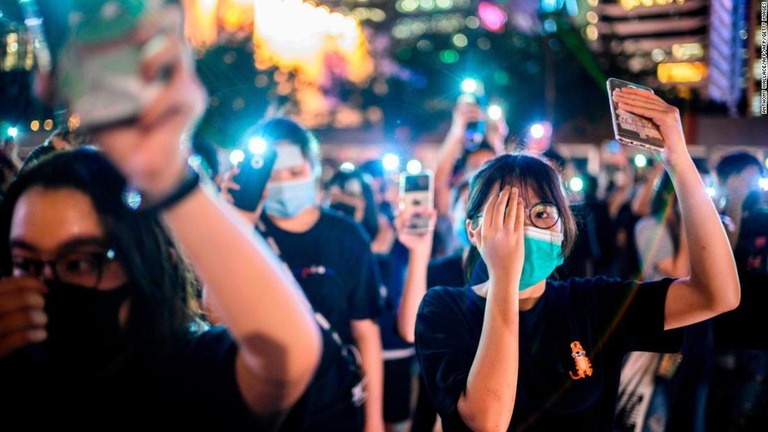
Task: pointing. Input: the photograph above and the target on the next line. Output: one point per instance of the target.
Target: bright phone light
(711, 192)
(347, 167)
(413, 167)
(763, 182)
(495, 112)
(640, 160)
(469, 85)
(576, 184)
(390, 162)
(537, 130)
(13, 132)
(257, 145)
(236, 156)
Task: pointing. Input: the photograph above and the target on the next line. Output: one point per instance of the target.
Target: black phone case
(252, 179)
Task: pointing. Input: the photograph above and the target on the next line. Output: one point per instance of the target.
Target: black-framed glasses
(85, 268)
(543, 215)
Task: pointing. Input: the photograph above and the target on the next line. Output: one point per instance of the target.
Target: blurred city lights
(763, 182)
(469, 85)
(34, 125)
(492, 17)
(711, 191)
(413, 166)
(12, 131)
(257, 145)
(390, 162)
(576, 184)
(347, 167)
(537, 130)
(236, 156)
(48, 124)
(765, 162)
(640, 160)
(495, 112)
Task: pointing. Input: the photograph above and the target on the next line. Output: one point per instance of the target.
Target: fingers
(488, 213)
(17, 340)
(499, 212)
(520, 218)
(510, 215)
(22, 319)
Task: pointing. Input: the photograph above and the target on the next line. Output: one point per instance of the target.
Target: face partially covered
(56, 235)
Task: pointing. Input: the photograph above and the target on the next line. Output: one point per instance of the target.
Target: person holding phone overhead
(96, 328)
(328, 254)
(516, 351)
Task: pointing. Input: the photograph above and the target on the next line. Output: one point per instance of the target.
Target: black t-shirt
(735, 329)
(608, 318)
(195, 389)
(446, 271)
(335, 267)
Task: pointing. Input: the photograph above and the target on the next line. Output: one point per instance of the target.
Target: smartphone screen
(254, 174)
(632, 129)
(417, 196)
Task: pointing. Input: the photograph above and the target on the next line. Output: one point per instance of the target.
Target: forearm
(712, 267)
(368, 339)
(489, 399)
(247, 287)
(413, 291)
(449, 152)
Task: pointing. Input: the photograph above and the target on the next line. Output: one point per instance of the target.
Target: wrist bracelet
(188, 185)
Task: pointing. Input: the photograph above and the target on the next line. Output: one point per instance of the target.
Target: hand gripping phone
(254, 174)
(417, 196)
(473, 91)
(632, 129)
(98, 72)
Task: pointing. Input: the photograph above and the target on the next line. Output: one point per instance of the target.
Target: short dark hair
(162, 284)
(530, 173)
(735, 163)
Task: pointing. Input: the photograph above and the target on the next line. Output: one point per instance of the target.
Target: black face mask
(84, 333)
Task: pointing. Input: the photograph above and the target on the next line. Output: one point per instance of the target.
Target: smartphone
(417, 196)
(254, 174)
(98, 71)
(475, 130)
(632, 129)
(345, 209)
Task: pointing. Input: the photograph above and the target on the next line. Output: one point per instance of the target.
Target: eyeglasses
(542, 215)
(84, 268)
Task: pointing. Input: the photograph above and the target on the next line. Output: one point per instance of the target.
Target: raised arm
(278, 342)
(713, 285)
(489, 399)
(450, 152)
(419, 250)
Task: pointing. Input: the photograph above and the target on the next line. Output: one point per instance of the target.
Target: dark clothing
(445, 271)
(195, 389)
(337, 271)
(739, 386)
(333, 263)
(608, 318)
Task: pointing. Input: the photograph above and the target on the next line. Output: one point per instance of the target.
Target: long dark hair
(530, 174)
(160, 280)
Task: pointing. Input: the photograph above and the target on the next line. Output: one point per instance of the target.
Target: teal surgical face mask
(459, 224)
(289, 198)
(543, 253)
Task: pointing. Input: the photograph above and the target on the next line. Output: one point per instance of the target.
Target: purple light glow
(492, 17)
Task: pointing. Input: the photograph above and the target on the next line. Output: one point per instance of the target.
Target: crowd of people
(134, 292)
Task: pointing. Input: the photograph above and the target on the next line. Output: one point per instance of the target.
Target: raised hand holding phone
(417, 198)
(665, 116)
